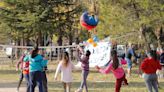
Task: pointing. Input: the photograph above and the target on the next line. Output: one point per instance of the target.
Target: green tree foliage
(69, 20)
(32, 19)
(120, 17)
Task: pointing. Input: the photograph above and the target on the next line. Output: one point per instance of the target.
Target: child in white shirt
(66, 67)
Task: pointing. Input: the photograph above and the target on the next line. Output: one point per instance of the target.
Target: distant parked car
(121, 49)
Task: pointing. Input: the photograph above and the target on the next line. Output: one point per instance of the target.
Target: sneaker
(125, 83)
(79, 90)
(158, 86)
(17, 90)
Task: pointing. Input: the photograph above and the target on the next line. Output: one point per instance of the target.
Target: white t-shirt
(66, 72)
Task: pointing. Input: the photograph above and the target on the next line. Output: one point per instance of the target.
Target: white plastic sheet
(100, 55)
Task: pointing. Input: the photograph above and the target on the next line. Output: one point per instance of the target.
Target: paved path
(11, 87)
(22, 89)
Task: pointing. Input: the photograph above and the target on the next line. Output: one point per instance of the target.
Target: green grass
(96, 82)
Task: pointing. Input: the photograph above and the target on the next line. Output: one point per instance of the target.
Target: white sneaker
(79, 90)
(17, 90)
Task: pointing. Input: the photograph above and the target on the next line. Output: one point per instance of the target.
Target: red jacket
(24, 66)
(150, 66)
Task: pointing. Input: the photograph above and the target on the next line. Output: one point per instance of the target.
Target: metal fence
(11, 53)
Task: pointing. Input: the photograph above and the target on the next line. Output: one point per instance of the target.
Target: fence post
(58, 56)
(12, 58)
(70, 53)
(51, 53)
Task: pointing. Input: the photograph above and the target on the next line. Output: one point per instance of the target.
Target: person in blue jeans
(130, 52)
(37, 63)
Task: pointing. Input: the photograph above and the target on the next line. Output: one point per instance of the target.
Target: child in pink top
(116, 67)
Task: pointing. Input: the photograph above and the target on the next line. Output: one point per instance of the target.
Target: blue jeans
(36, 79)
(129, 63)
(151, 82)
(28, 82)
(84, 80)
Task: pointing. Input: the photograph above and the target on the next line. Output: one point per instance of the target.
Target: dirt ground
(22, 89)
(11, 87)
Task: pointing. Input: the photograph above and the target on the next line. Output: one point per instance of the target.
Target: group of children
(33, 66)
(37, 63)
(66, 67)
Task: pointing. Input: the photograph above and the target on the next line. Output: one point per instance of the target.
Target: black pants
(26, 76)
(36, 79)
(45, 88)
(20, 80)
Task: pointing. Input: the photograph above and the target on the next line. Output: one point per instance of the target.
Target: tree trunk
(160, 37)
(17, 50)
(70, 36)
(143, 33)
(59, 50)
(60, 41)
(70, 40)
(77, 40)
(40, 39)
(150, 37)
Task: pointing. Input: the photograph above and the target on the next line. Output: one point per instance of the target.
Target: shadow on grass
(58, 85)
(8, 72)
(48, 72)
(100, 84)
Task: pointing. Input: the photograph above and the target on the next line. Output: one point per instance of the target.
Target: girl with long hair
(149, 67)
(65, 66)
(115, 66)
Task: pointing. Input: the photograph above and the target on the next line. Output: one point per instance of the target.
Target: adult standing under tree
(130, 52)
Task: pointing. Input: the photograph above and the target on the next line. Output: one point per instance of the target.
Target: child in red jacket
(149, 67)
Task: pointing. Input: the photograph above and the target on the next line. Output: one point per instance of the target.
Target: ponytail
(34, 52)
(115, 63)
(153, 54)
